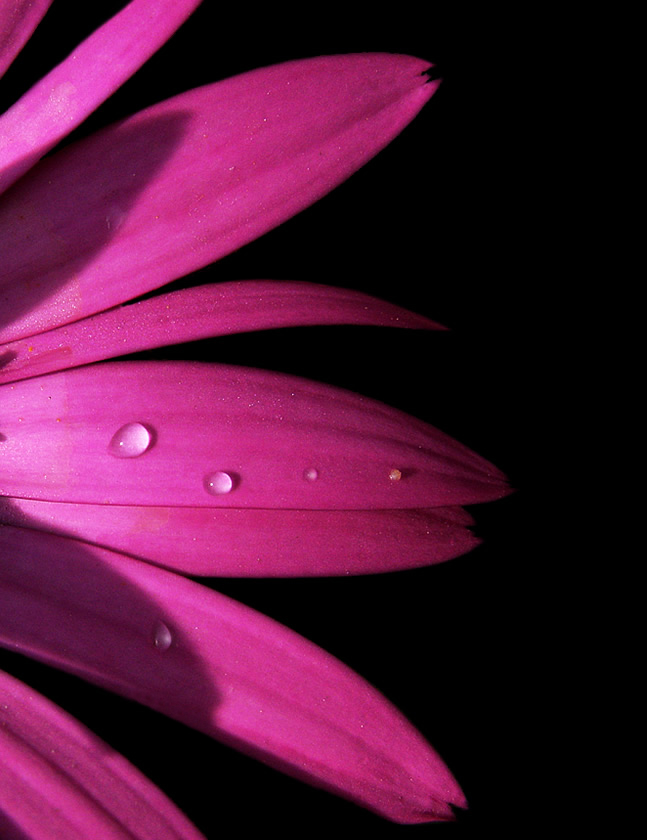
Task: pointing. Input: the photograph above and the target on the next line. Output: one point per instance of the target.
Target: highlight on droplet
(395, 475)
(311, 474)
(219, 483)
(162, 636)
(130, 441)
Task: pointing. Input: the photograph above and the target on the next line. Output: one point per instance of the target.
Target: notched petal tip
(237, 675)
(258, 543)
(247, 154)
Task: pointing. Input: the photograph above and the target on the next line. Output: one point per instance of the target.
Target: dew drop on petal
(162, 637)
(218, 483)
(395, 475)
(311, 474)
(130, 440)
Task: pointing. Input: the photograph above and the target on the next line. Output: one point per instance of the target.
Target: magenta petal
(247, 542)
(198, 435)
(18, 19)
(69, 93)
(192, 314)
(218, 666)
(61, 781)
(183, 183)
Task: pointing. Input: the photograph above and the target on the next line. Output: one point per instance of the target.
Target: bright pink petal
(184, 183)
(198, 435)
(18, 19)
(247, 542)
(61, 782)
(97, 67)
(218, 666)
(192, 314)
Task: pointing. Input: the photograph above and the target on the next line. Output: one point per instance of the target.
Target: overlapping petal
(247, 542)
(18, 19)
(61, 782)
(220, 667)
(192, 314)
(185, 182)
(200, 435)
(68, 94)
(205, 469)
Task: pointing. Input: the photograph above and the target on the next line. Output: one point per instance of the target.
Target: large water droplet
(395, 475)
(130, 440)
(218, 483)
(162, 637)
(311, 474)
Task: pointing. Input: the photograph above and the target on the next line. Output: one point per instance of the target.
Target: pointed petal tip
(196, 313)
(364, 455)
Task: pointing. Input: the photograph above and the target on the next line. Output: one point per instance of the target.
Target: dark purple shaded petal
(190, 180)
(72, 91)
(199, 435)
(61, 782)
(192, 314)
(218, 666)
(18, 19)
(246, 542)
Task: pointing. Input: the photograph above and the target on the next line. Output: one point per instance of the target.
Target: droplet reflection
(130, 441)
(218, 483)
(162, 637)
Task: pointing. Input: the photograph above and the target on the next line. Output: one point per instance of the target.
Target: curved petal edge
(61, 782)
(192, 179)
(222, 668)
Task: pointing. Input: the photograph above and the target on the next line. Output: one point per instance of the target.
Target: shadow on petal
(66, 210)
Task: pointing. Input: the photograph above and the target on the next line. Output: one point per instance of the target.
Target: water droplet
(131, 440)
(311, 474)
(395, 475)
(162, 637)
(218, 483)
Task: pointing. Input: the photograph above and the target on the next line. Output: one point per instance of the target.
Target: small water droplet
(218, 483)
(395, 475)
(311, 474)
(130, 440)
(162, 638)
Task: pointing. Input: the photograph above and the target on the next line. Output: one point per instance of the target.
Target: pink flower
(204, 469)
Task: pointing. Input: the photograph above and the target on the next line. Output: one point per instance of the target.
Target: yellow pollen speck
(30, 349)
(395, 475)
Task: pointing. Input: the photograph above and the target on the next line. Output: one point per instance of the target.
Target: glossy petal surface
(235, 674)
(246, 542)
(61, 782)
(190, 180)
(18, 19)
(192, 314)
(149, 433)
(69, 93)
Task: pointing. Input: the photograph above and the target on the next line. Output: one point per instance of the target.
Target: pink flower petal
(188, 181)
(196, 313)
(97, 67)
(247, 542)
(18, 19)
(198, 435)
(59, 781)
(218, 666)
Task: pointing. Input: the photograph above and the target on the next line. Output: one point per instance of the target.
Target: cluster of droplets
(134, 439)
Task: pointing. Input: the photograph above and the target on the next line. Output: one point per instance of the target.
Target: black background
(436, 224)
